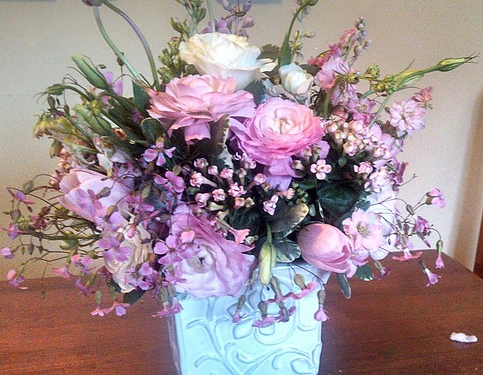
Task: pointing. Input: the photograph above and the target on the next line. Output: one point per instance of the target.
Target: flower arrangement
(231, 159)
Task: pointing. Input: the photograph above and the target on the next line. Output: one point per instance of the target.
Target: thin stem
(143, 40)
(383, 105)
(111, 44)
(210, 14)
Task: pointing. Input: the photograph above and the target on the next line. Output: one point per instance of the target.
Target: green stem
(211, 15)
(383, 105)
(111, 44)
(285, 56)
(143, 40)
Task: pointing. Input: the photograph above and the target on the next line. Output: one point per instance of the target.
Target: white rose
(139, 253)
(225, 55)
(295, 80)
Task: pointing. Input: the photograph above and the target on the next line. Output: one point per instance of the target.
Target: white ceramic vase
(205, 340)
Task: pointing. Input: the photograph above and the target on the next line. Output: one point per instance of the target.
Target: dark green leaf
(258, 90)
(338, 200)
(287, 251)
(269, 51)
(365, 273)
(133, 296)
(141, 97)
(152, 129)
(344, 285)
(287, 217)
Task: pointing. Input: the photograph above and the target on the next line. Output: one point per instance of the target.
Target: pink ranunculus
(278, 130)
(218, 267)
(81, 188)
(193, 102)
(325, 247)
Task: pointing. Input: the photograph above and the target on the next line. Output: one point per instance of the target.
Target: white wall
(37, 39)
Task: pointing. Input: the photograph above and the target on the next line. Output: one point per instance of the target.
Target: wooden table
(391, 326)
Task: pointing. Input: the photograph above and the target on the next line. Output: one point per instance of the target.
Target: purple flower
(439, 261)
(6, 252)
(432, 277)
(435, 197)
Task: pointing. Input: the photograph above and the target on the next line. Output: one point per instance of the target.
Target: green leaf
(269, 51)
(365, 273)
(287, 251)
(133, 296)
(337, 199)
(344, 285)
(141, 97)
(287, 217)
(267, 260)
(258, 90)
(152, 129)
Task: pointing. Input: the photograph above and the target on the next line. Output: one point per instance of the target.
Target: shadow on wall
(472, 195)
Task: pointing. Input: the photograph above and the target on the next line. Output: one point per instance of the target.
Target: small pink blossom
(407, 117)
(365, 230)
(202, 199)
(218, 195)
(364, 168)
(407, 255)
(62, 271)
(260, 179)
(236, 190)
(227, 174)
(20, 196)
(321, 169)
(270, 206)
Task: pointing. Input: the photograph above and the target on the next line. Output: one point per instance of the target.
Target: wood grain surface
(392, 326)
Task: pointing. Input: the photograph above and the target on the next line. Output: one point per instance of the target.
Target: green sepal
(267, 260)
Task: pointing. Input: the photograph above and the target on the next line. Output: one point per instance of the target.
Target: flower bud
(56, 89)
(449, 64)
(90, 72)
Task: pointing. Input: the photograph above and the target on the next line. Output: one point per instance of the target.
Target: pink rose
(210, 264)
(325, 247)
(81, 188)
(194, 102)
(279, 130)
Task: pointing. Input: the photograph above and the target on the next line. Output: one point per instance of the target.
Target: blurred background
(37, 38)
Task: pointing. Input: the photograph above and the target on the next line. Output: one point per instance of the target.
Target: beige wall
(37, 38)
